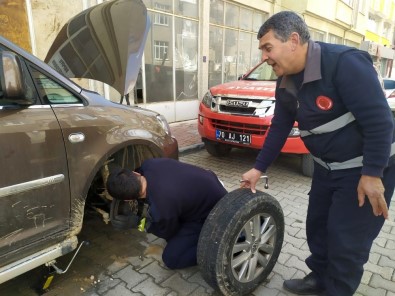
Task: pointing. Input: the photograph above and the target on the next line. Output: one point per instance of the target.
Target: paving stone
(178, 284)
(149, 287)
(283, 257)
(265, 291)
(378, 282)
(298, 264)
(107, 284)
(276, 282)
(374, 257)
(201, 292)
(365, 290)
(367, 275)
(121, 290)
(291, 249)
(130, 276)
(296, 242)
(285, 271)
(157, 272)
(198, 279)
(384, 272)
(187, 273)
(380, 241)
(390, 244)
(139, 262)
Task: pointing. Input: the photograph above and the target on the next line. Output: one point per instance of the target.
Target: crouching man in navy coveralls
(334, 93)
(180, 197)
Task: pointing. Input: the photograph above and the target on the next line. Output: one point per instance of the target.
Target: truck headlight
(295, 132)
(207, 99)
(163, 122)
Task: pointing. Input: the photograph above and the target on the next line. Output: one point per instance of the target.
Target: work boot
(309, 285)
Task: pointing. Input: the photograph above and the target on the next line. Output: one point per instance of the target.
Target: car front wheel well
(119, 214)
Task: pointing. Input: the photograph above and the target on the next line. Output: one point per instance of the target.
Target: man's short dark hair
(283, 24)
(123, 184)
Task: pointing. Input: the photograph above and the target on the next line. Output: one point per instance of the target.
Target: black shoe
(309, 285)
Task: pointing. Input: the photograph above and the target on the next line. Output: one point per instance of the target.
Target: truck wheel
(307, 165)
(217, 149)
(240, 241)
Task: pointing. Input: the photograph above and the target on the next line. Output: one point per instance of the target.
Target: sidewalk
(187, 135)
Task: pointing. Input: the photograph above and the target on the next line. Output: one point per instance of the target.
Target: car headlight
(295, 132)
(207, 99)
(163, 122)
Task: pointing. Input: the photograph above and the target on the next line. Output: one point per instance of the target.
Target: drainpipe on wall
(31, 26)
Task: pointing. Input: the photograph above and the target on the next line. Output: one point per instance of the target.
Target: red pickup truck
(239, 114)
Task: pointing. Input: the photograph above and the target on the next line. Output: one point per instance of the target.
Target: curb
(190, 148)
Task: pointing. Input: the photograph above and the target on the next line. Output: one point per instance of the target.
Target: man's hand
(250, 178)
(373, 188)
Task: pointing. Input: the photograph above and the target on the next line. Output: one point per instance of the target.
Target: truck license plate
(233, 137)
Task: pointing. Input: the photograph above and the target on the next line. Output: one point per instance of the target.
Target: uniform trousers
(181, 249)
(339, 232)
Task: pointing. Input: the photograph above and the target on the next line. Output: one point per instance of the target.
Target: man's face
(277, 54)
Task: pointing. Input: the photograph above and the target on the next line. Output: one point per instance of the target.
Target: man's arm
(282, 124)
(357, 83)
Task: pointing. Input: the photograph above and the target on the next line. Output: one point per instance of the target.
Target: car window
(262, 72)
(52, 92)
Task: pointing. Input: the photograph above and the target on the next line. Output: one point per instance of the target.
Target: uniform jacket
(338, 81)
(178, 193)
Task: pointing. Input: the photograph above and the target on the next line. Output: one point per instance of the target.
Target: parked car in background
(58, 139)
(239, 114)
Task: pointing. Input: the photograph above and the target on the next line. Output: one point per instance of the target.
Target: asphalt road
(113, 263)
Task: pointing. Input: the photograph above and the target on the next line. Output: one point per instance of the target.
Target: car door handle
(76, 138)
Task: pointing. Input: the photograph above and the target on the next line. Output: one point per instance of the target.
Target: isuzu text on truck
(239, 114)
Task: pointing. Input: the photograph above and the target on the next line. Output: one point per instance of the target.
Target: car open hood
(104, 43)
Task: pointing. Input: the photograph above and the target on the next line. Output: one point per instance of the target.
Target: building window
(233, 40)
(258, 20)
(160, 50)
(372, 23)
(217, 12)
(387, 30)
(317, 35)
(161, 19)
(335, 39)
(351, 43)
(361, 6)
(348, 2)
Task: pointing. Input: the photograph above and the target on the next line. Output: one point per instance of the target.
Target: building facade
(195, 44)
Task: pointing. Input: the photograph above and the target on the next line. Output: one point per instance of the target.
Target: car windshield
(263, 72)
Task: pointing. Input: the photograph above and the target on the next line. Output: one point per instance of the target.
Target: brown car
(56, 141)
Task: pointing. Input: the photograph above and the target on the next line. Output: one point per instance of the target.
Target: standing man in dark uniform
(180, 197)
(334, 93)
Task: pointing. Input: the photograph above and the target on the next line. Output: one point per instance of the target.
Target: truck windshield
(262, 72)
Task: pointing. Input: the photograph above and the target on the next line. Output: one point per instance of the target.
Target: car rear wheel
(217, 149)
(241, 241)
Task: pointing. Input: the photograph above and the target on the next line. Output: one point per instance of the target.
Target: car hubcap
(253, 248)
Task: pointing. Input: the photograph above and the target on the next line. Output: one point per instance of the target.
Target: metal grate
(238, 127)
(237, 110)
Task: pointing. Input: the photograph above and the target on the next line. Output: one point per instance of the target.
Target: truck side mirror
(13, 86)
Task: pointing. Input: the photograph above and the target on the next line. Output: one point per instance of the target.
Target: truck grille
(237, 110)
(237, 127)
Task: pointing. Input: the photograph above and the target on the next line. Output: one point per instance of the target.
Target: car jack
(54, 269)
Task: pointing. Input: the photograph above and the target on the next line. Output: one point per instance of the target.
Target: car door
(34, 179)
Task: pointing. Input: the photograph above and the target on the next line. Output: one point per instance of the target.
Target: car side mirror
(12, 81)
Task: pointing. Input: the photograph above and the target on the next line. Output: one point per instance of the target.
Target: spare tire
(240, 241)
